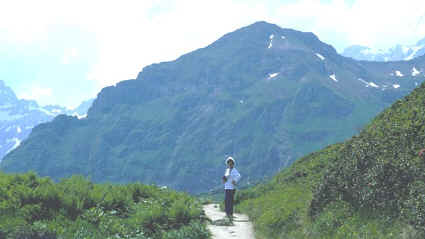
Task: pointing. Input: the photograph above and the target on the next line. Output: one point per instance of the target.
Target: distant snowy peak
(397, 53)
(7, 96)
(18, 117)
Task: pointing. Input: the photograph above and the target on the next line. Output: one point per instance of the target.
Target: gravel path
(242, 228)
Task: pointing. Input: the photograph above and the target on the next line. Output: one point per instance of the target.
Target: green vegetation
(371, 186)
(34, 207)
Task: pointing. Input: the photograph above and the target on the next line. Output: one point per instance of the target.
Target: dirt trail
(242, 228)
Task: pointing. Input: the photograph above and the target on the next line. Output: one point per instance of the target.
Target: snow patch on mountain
(370, 51)
(44, 111)
(320, 56)
(371, 84)
(271, 41)
(399, 74)
(57, 111)
(415, 72)
(17, 143)
(80, 116)
(395, 86)
(333, 77)
(273, 75)
(414, 50)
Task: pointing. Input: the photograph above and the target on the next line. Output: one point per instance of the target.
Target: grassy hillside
(371, 186)
(34, 207)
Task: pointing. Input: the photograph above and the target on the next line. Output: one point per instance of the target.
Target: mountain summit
(7, 96)
(263, 94)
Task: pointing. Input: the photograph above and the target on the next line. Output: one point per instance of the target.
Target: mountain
(18, 117)
(371, 185)
(397, 53)
(263, 94)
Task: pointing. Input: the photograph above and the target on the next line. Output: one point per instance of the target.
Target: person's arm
(226, 175)
(236, 176)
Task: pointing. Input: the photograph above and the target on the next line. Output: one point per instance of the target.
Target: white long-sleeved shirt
(231, 175)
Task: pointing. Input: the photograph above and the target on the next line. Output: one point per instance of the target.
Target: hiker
(230, 178)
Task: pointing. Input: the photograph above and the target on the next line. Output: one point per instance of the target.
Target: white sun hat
(230, 158)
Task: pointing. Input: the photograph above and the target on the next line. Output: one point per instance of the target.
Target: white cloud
(69, 55)
(378, 23)
(127, 45)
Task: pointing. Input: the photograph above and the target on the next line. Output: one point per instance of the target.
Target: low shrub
(34, 207)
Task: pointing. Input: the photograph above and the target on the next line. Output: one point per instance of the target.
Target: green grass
(280, 208)
(34, 207)
(371, 186)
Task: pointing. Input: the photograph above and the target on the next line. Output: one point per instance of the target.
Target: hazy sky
(63, 52)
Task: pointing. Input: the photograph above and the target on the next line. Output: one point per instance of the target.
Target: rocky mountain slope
(263, 94)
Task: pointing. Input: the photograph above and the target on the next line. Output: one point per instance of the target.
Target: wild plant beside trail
(35, 207)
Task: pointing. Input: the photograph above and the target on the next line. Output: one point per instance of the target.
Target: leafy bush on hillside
(281, 207)
(34, 207)
(371, 186)
(380, 170)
